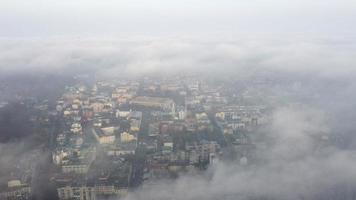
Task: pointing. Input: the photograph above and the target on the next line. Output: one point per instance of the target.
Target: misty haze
(177, 100)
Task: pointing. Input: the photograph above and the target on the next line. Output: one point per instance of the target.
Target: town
(109, 137)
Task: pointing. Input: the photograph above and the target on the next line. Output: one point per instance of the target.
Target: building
(90, 193)
(127, 137)
(76, 128)
(77, 193)
(75, 168)
(97, 107)
(103, 138)
(16, 193)
(165, 104)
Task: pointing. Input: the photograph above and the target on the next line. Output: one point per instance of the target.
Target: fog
(322, 57)
(306, 152)
(295, 165)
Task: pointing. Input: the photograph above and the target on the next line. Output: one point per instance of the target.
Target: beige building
(127, 137)
(103, 138)
(165, 104)
(97, 107)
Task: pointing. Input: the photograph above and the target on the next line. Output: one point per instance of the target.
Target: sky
(94, 18)
(136, 36)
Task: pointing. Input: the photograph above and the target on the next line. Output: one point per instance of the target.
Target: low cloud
(148, 55)
(300, 162)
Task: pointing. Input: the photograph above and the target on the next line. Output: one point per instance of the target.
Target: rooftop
(152, 99)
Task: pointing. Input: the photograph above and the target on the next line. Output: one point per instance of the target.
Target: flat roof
(152, 99)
